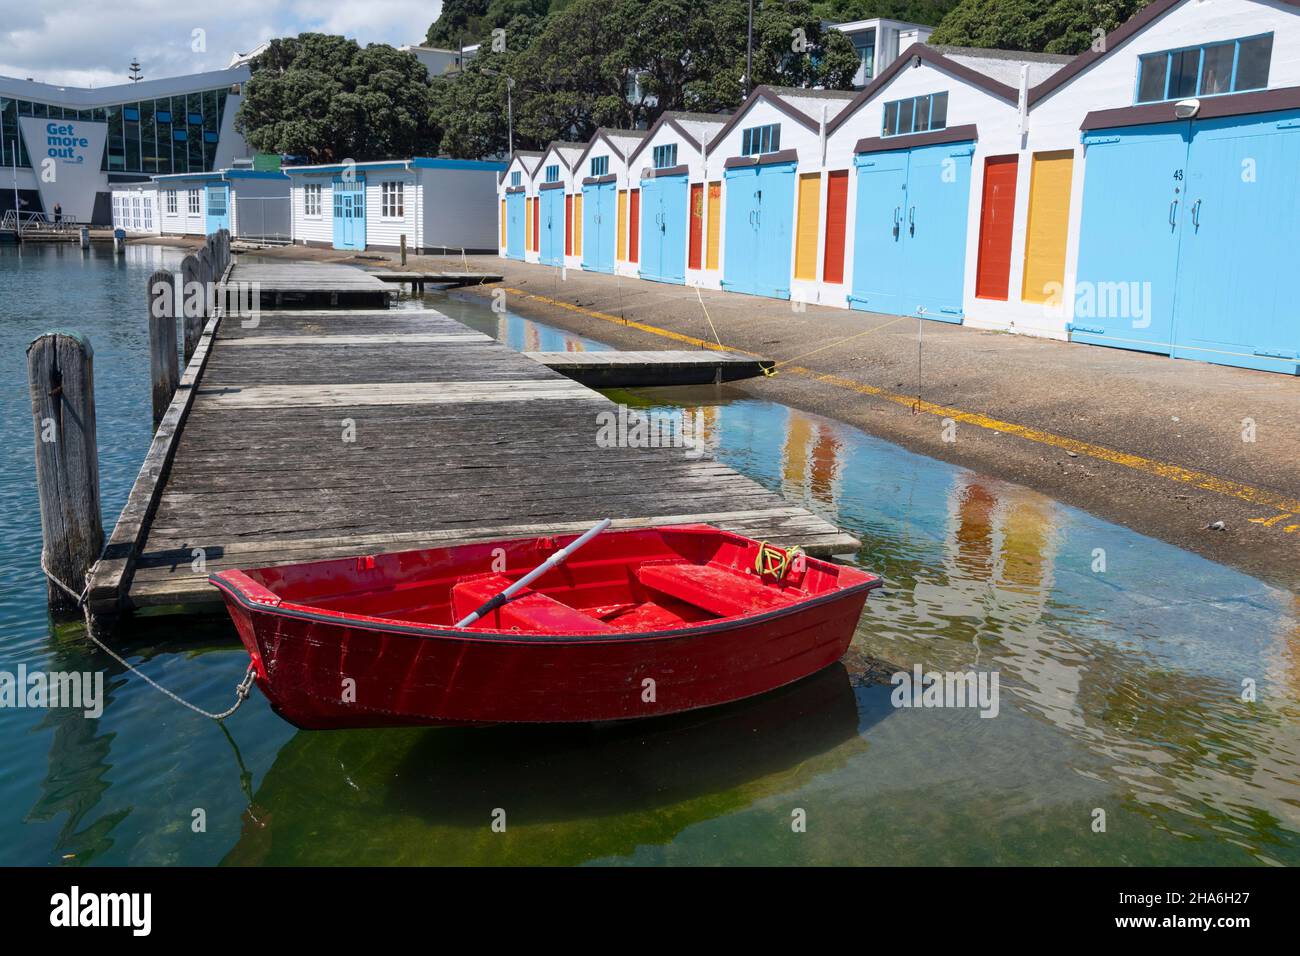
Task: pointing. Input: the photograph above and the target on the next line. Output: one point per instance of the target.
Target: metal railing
(29, 223)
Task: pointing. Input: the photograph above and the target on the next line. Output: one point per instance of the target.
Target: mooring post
(163, 370)
(61, 377)
(193, 301)
(403, 248)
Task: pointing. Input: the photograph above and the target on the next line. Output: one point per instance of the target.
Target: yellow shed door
(622, 225)
(714, 226)
(503, 224)
(805, 247)
(528, 224)
(1048, 227)
(577, 224)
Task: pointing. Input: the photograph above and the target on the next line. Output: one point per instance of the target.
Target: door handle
(1173, 214)
(897, 220)
(911, 221)
(1196, 214)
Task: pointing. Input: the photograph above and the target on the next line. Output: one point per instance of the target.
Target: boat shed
(922, 170)
(611, 202)
(514, 205)
(434, 204)
(1163, 203)
(680, 204)
(251, 204)
(772, 155)
(553, 188)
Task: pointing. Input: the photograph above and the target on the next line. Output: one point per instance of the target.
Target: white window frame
(311, 200)
(392, 196)
(171, 202)
(193, 203)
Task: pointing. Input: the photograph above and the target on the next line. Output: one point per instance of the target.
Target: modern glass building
(153, 127)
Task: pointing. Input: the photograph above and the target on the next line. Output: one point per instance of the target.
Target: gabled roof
(621, 141)
(926, 54)
(1005, 65)
(767, 94)
(811, 102)
(1114, 40)
(692, 127)
(566, 153)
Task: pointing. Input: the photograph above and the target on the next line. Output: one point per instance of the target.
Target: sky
(91, 42)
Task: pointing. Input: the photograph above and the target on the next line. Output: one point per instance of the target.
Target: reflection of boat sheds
(1128, 202)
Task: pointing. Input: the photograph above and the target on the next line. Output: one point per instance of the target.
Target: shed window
(392, 206)
(600, 165)
(666, 156)
(311, 199)
(553, 174)
(192, 201)
(761, 139)
(917, 114)
(1208, 70)
(516, 178)
(171, 202)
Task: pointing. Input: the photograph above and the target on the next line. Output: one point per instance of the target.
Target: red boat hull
(322, 668)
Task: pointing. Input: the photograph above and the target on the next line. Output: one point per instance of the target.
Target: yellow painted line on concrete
(1197, 479)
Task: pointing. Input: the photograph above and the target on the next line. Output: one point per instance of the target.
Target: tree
(326, 98)
(1042, 26)
(929, 12)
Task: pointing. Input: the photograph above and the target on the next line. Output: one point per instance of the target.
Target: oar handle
(559, 557)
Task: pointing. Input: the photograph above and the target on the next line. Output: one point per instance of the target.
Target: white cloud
(83, 43)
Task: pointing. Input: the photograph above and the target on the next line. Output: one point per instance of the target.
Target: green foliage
(326, 98)
(1046, 26)
(620, 63)
(929, 12)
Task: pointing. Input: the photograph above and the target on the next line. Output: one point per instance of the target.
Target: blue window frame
(209, 136)
(131, 114)
(180, 135)
(163, 116)
(195, 119)
(600, 165)
(666, 156)
(916, 114)
(516, 178)
(1211, 69)
(553, 174)
(760, 139)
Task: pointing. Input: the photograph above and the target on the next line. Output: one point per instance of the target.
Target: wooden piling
(194, 310)
(61, 378)
(163, 370)
(403, 248)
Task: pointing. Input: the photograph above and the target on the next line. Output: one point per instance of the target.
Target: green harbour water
(1120, 690)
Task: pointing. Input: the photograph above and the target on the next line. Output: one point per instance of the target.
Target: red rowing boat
(638, 623)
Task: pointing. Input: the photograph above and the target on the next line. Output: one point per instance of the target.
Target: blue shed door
(350, 213)
(218, 207)
(652, 237)
(934, 249)
(1241, 232)
(551, 228)
(664, 208)
(1134, 207)
(740, 244)
(878, 233)
(599, 227)
(760, 229)
(515, 224)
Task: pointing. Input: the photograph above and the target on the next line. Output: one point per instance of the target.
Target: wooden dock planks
(329, 433)
(310, 283)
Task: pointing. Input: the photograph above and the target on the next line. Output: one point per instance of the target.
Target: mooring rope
(242, 690)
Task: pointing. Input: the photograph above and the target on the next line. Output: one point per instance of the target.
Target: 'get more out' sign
(66, 157)
(62, 142)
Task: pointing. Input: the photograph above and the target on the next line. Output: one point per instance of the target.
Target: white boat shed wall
(979, 108)
(565, 156)
(522, 163)
(617, 145)
(691, 134)
(135, 209)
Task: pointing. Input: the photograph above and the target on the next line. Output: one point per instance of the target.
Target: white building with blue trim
(438, 205)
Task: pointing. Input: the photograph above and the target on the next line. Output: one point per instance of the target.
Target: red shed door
(997, 218)
(837, 199)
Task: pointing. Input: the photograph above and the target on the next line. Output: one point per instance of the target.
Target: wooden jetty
(302, 284)
(418, 280)
(323, 433)
(632, 369)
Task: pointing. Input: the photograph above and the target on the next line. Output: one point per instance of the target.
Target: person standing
(58, 213)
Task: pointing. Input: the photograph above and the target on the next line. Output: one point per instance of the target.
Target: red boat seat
(528, 612)
(721, 591)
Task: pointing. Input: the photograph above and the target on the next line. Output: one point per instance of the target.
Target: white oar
(557, 558)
